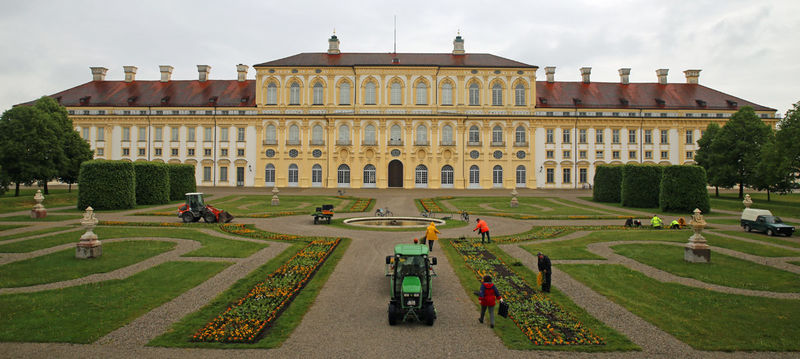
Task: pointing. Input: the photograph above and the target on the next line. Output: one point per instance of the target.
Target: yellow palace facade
(408, 120)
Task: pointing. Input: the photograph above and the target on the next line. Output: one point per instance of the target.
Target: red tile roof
(323, 59)
(636, 95)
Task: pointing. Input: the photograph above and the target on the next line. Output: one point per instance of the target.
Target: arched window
(316, 176)
(520, 176)
(395, 135)
(294, 135)
(271, 137)
(497, 95)
(421, 175)
(447, 175)
(344, 135)
(317, 135)
(497, 176)
(447, 135)
(294, 93)
(369, 174)
(474, 175)
(422, 93)
(318, 100)
(344, 93)
(293, 174)
(519, 95)
(474, 95)
(474, 134)
(497, 134)
(447, 94)
(369, 135)
(519, 135)
(343, 175)
(272, 94)
(269, 175)
(422, 135)
(396, 94)
(369, 94)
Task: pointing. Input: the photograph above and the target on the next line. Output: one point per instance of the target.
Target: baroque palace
(410, 120)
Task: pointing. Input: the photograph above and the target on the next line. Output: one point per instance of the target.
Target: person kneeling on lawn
(488, 297)
(674, 224)
(656, 222)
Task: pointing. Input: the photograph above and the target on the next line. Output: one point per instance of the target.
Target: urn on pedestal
(697, 251)
(275, 200)
(38, 210)
(89, 246)
(514, 201)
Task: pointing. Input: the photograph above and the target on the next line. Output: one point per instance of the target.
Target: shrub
(107, 185)
(152, 183)
(181, 180)
(683, 188)
(640, 185)
(607, 181)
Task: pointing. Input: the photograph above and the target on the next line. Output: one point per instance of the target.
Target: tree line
(746, 152)
(38, 144)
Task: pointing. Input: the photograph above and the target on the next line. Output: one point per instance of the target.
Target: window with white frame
(318, 94)
(520, 136)
(582, 135)
(497, 95)
(174, 134)
(474, 175)
(159, 134)
(582, 175)
(549, 136)
(497, 134)
(206, 174)
(396, 94)
(497, 176)
(598, 135)
(344, 135)
(271, 137)
(316, 175)
(143, 134)
(369, 94)
(101, 134)
(317, 135)
(614, 136)
(223, 173)
(474, 134)
(343, 174)
(521, 174)
(369, 135)
(293, 174)
(294, 135)
(85, 133)
(190, 134)
(269, 174)
(422, 135)
(447, 94)
(344, 93)
(689, 137)
(272, 94)
(421, 175)
(294, 93)
(422, 93)
(519, 95)
(474, 94)
(447, 135)
(550, 175)
(648, 136)
(240, 134)
(369, 174)
(567, 175)
(395, 135)
(631, 136)
(208, 134)
(566, 136)
(447, 175)
(664, 137)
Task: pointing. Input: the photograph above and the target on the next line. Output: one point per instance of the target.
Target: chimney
(585, 72)
(624, 76)
(333, 45)
(166, 72)
(458, 45)
(241, 71)
(550, 72)
(692, 76)
(662, 76)
(130, 73)
(98, 73)
(202, 72)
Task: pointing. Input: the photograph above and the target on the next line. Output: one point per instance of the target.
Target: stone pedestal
(514, 202)
(747, 201)
(89, 246)
(275, 200)
(38, 210)
(697, 251)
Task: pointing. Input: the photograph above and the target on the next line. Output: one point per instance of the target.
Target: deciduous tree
(738, 145)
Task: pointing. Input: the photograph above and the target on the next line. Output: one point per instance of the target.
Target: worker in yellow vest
(656, 222)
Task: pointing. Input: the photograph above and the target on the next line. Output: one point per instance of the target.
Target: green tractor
(410, 273)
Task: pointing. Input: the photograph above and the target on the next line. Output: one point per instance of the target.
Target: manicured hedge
(640, 185)
(152, 183)
(181, 180)
(107, 185)
(607, 182)
(683, 188)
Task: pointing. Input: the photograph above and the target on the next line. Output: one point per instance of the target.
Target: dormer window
(732, 103)
(244, 99)
(576, 101)
(212, 100)
(543, 100)
(623, 101)
(164, 99)
(700, 103)
(84, 100)
(661, 102)
(131, 100)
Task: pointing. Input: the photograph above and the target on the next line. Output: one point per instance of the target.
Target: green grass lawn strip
(339, 223)
(510, 334)
(762, 250)
(723, 270)
(780, 205)
(764, 238)
(56, 198)
(5, 227)
(49, 218)
(83, 314)
(527, 205)
(705, 320)
(63, 265)
(34, 233)
(179, 334)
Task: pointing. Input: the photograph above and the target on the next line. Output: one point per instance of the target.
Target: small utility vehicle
(762, 220)
(410, 273)
(324, 213)
(194, 209)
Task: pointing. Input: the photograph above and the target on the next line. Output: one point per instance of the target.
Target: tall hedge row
(107, 185)
(640, 185)
(607, 182)
(683, 188)
(152, 183)
(181, 180)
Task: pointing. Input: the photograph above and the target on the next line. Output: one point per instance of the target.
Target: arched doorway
(395, 173)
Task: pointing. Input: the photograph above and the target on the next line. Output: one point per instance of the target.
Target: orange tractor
(194, 209)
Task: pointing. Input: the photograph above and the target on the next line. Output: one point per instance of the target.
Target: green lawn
(5, 227)
(511, 335)
(780, 205)
(63, 265)
(213, 246)
(339, 223)
(255, 204)
(705, 320)
(56, 198)
(537, 206)
(49, 218)
(85, 313)
(723, 270)
(179, 334)
(764, 238)
(34, 233)
(652, 210)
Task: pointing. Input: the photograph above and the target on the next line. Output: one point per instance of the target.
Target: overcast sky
(748, 49)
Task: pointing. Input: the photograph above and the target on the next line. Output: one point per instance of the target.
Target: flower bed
(247, 319)
(430, 205)
(147, 224)
(360, 205)
(541, 320)
(546, 232)
(249, 230)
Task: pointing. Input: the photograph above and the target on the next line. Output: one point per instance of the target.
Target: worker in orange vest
(483, 229)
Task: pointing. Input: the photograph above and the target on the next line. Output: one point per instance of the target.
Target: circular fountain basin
(393, 222)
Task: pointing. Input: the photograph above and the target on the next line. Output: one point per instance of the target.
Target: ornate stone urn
(275, 200)
(697, 251)
(38, 210)
(89, 246)
(514, 201)
(747, 201)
